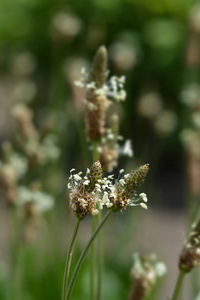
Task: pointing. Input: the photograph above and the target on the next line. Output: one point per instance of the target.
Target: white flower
(42, 201)
(160, 269)
(127, 149)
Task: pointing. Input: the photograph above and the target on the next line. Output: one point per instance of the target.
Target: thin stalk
(100, 259)
(95, 221)
(92, 263)
(95, 152)
(178, 285)
(83, 254)
(69, 259)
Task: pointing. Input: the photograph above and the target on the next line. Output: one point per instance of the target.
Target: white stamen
(143, 196)
(143, 205)
(77, 177)
(86, 182)
(122, 182)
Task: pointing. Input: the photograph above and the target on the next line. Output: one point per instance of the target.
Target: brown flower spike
(108, 155)
(96, 102)
(190, 254)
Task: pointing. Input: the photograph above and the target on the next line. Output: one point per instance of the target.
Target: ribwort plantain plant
(90, 193)
(114, 196)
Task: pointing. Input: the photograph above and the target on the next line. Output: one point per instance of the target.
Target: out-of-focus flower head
(34, 201)
(123, 55)
(97, 92)
(23, 64)
(190, 254)
(13, 168)
(145, 272)
(165, 123)
(65, 26)
(149, 105)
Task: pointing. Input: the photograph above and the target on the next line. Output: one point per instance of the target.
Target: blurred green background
(43, 46)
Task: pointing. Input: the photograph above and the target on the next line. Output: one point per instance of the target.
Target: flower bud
(145, 272)
(99, 69)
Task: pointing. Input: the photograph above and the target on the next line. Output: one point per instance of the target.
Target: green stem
(178, 285)
(100, 259)
(95, 151)
(92, 263)
(83, 254)
(69, 259)
(95, 222)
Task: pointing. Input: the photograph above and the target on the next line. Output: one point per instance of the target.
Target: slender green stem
(83, 254)
(92, 263)
(95, 152)
(95, 221)
(178, 285)
(69, 259)
(100, 259)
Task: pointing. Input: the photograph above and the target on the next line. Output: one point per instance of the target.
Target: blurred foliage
(147, 41)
